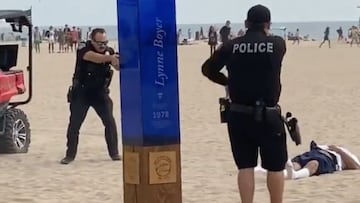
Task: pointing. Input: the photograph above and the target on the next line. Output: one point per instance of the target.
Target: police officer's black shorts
(248, 137)
(326, 165)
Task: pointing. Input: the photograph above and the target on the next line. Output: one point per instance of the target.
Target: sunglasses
(101, 44)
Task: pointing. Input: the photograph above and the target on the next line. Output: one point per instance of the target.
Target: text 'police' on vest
(262, 47)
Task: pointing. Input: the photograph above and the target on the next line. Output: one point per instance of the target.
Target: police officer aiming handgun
(254, 121)
(90, 88)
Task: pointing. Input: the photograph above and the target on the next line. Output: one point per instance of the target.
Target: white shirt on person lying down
(326, 148)
(338, 157)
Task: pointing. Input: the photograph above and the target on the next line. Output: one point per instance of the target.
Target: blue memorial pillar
(149, 101)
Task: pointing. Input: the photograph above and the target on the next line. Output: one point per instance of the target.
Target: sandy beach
(320, 86)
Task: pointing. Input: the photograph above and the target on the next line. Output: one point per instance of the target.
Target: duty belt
(250, 109)
(257, 110)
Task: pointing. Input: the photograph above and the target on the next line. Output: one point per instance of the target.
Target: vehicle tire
(16, 138)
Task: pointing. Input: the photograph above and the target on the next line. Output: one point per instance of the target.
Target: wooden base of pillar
(152, 174)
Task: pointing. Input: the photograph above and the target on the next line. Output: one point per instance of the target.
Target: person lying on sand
(320, 159)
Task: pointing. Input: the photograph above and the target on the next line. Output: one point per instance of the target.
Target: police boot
(66, 160)
(70, 155)
(116, 157)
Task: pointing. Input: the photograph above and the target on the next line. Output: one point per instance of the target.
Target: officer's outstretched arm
(97, 58)
(115, 63)
(212, 67)
(116, 66)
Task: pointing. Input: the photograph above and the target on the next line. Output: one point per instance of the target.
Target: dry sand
(320, 86)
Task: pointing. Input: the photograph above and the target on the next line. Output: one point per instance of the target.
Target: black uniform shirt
(87, 71)
(253, 62)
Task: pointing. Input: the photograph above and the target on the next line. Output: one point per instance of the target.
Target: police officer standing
(91, 80)
(253, 63)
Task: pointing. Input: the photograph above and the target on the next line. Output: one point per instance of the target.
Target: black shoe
(313, 145)
(66, 160)
(116, 157)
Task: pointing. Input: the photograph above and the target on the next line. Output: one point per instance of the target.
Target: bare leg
(275, 184)
(246, 184)
(308, 170)
(312, 166)
(321, 44)
(213, 48)
(289, 169)
(296, 166)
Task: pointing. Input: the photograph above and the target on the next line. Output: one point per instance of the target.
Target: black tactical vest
(92, 75)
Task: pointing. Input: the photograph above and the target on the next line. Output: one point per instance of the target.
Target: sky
(104, 12)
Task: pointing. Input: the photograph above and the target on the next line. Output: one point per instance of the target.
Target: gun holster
(224, 109)
(108, 78)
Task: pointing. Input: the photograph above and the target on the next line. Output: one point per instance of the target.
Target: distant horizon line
(277, 22)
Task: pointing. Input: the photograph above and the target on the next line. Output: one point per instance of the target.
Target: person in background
(241, 33)
(201, 33)
(74, 38)
(340, 33)
(88, 34)
(79, 34)
(212, 35)
(297, 37)
(225, 32)
(51, 39)
(68, 43)
(180, 37)
(61, 40)
(354, 35)
(326, 37)
(37, 39)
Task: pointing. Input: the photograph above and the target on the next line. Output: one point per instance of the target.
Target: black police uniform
(253, 62)
(90, 89)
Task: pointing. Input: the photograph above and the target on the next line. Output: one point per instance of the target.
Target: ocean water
(314, 29)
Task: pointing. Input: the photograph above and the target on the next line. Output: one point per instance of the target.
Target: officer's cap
(258, 14)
